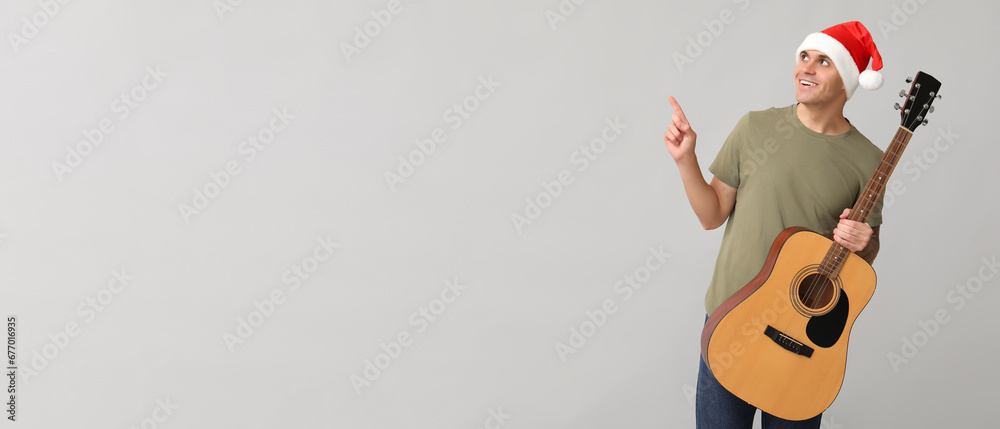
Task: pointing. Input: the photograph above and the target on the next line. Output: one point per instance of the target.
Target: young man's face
(817, 81)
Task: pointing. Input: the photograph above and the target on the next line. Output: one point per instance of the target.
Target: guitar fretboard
(835, 257)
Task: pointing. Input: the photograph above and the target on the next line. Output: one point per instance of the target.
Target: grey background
(494, 348)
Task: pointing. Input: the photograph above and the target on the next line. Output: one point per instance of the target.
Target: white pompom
(870, 80)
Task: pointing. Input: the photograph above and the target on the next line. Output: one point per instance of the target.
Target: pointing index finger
(677, 108)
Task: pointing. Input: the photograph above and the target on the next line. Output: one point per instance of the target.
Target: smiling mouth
(807, 83)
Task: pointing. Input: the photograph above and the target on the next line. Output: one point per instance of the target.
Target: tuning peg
(909, 79)
(931, 110)
(902, 93)
(897, 106)
(924, 122)
(938, 96)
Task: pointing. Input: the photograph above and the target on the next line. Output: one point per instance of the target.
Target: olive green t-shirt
(786, 175)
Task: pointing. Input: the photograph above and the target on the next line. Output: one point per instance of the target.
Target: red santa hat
(850, 46)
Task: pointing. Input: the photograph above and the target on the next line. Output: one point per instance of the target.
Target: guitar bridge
(788, 343)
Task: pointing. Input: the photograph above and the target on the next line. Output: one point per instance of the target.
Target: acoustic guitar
(780, 342)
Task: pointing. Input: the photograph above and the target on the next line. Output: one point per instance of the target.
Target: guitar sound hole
(816, 291)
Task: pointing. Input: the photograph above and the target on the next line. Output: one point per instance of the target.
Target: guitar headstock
(917, 104)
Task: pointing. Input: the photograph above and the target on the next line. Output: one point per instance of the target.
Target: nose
(807, 66)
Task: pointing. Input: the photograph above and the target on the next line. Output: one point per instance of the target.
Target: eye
(825, 62)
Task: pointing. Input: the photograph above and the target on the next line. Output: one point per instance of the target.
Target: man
(801, 165)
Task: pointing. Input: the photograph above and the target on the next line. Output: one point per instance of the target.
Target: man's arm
(871, 250)
(712, 203)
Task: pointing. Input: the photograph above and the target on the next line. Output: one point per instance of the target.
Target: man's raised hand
(680, 138)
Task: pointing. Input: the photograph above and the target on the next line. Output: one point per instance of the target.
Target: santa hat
(850, 46)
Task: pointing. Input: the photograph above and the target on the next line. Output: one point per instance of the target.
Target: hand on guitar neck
(858, 237)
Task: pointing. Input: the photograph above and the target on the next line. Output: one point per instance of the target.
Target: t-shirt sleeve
(727, 163)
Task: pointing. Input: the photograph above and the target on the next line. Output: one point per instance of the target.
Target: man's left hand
(852, 234)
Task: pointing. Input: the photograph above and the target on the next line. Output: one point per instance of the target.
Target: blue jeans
(716, 408)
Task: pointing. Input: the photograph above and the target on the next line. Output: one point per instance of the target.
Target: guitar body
(780, 343)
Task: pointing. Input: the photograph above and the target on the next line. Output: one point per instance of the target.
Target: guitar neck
(913, 113)
(837, 254)
(862, 208)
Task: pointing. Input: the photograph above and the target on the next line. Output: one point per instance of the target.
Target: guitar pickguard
(825, 330)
